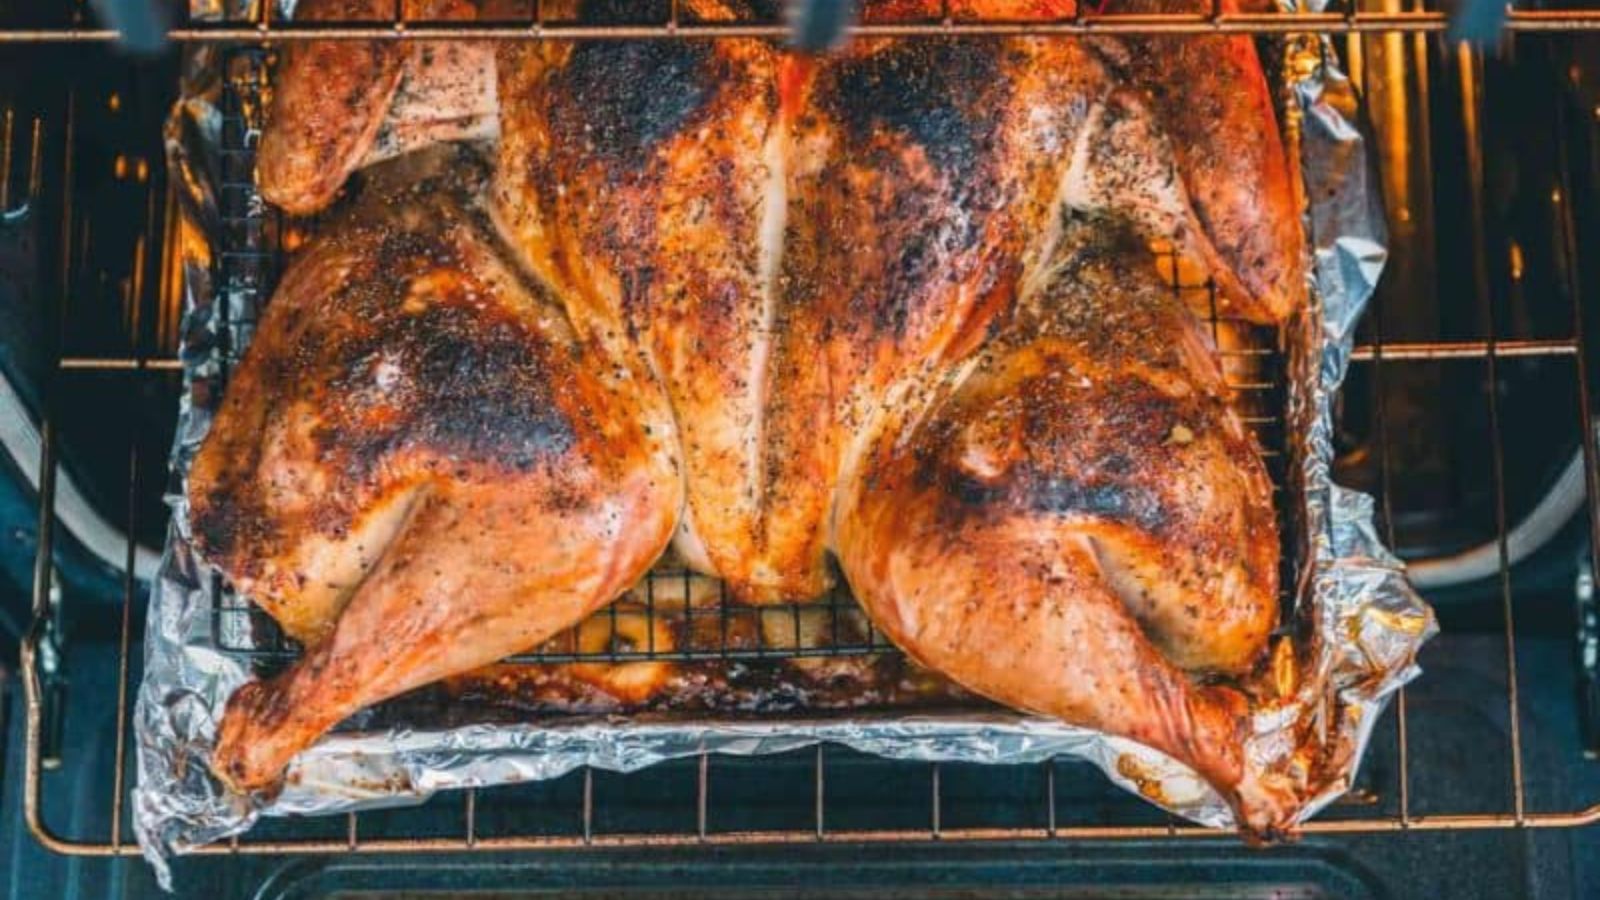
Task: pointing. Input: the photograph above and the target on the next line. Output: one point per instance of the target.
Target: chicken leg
(420, 468)
(1079, 522)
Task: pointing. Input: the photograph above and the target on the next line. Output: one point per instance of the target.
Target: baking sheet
(1358, 625)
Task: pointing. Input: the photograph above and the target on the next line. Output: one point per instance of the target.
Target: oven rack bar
(1520, 21)
(470, 841)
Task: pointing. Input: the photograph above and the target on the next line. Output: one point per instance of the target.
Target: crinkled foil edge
(1360, 623)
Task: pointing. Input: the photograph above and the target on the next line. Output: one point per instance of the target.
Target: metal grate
(1253, 366)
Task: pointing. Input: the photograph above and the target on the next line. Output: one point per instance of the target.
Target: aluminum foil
(1358, 628)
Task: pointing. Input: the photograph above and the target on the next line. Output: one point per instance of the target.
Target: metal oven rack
(1253, 370)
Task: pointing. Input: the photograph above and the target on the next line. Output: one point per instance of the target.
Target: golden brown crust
(420, 468)
(636, 179)
(1212, 98)
(1080, 519)
(328, 102)
(700, 196)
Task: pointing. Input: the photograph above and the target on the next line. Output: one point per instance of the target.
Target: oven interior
(1465, 414)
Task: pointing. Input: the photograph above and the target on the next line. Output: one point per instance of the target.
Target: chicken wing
(340, 105)
(1212, 99)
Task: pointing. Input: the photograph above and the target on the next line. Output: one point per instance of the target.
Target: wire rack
(1251, 362)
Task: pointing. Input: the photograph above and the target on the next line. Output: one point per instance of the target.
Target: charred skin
(913, 183)
(636, 178)
(415, 473)
(1081, 522)
(1212, 99)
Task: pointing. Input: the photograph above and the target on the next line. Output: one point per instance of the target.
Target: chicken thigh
(419, 467)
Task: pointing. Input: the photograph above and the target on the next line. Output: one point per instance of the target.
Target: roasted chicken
(896, 305)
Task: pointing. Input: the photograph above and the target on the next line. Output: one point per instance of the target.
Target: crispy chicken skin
(894, 304)
(1212, 99)
(337, 105)
(327, 107)
(639, 179)
(699, 196)
(1078, 520)
(419, 468)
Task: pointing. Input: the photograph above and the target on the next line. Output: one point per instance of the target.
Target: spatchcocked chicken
(896, 305)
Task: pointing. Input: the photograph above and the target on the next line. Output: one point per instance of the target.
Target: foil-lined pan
(1356, 631)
